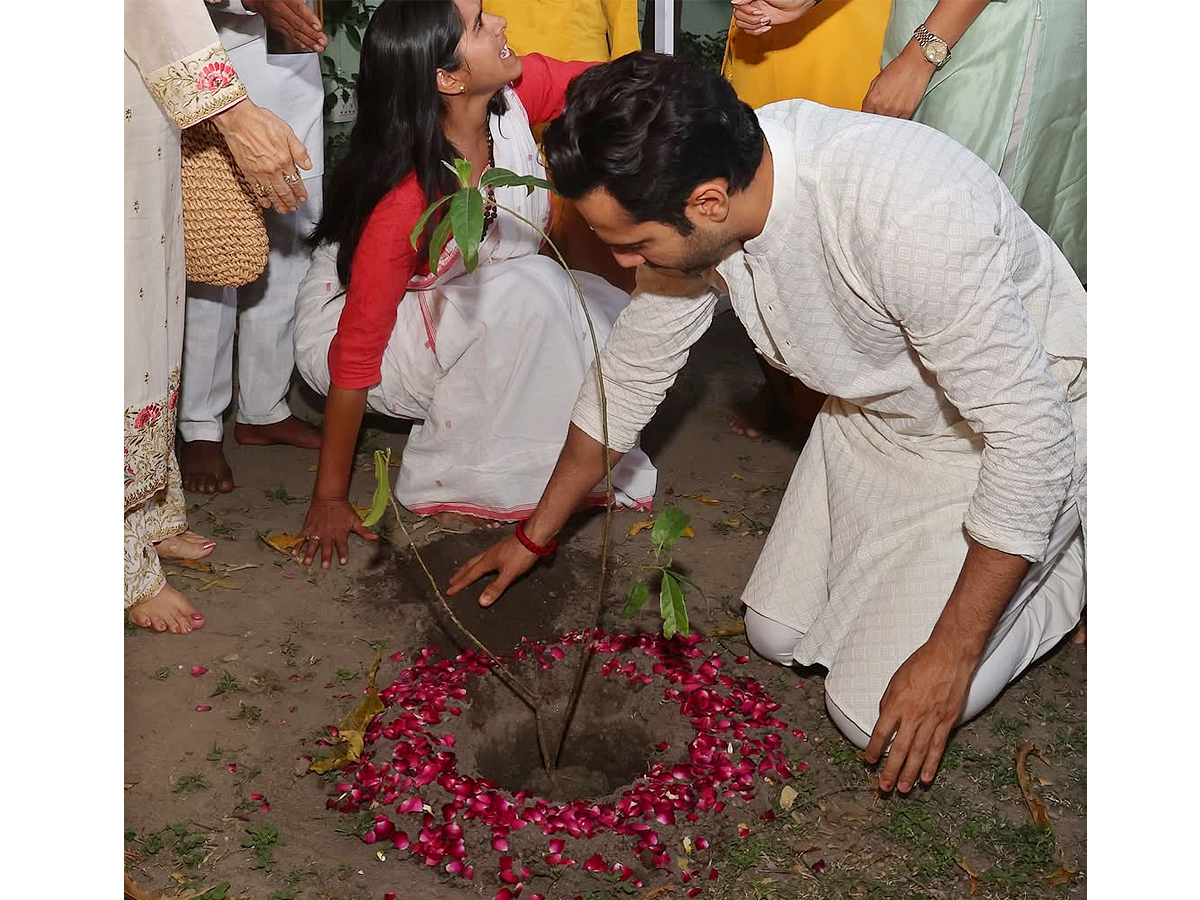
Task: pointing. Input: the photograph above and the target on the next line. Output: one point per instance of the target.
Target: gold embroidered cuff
(196, 87)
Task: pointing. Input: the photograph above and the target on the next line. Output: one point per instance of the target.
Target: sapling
(669, 526)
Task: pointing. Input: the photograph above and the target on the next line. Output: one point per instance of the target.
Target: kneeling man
(930, 543)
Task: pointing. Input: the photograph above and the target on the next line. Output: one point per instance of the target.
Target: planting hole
(606, 749)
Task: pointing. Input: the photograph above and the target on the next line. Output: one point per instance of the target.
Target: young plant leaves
(382, 487)
(506, 178)
(437, 241)
(637, 599)
(668, 528)
(466, 217)
(462, 168)
(415, 237)
(671, 605)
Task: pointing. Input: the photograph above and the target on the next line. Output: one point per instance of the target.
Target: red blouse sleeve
(542, 86)
(384, 263)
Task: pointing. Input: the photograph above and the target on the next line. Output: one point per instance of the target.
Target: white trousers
(262, 313)
(1044, 609)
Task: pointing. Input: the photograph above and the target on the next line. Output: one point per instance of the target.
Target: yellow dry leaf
(1062, 876)
(362, 511)
(220, 581)
(638, 527)
(709, 500)
(974, 884)
(350, 733)
(688, 532)
(198, 564)
(737, 476)
(283, 543)
(787, 797)
(1040, 817)
(312, 468)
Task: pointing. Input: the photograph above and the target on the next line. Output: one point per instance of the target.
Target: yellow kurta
(829, 55)
(595, 30)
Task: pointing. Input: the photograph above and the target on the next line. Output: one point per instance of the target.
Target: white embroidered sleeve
(645, 351)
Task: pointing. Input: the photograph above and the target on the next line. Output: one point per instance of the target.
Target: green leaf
(462, 168)
(466, 216)
(415, 237)
(216, 892)
(354, 36)
(668, 527)
(686, 581)
(382, 487)
(437, 241)
(672, 607)
(637, 599)
(506, 178)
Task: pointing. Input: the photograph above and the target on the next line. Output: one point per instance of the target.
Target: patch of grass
(283, 895)
(843, 755)
(299, 876)
(190, 783)
(1009, 726)
(130, 628)
(910, 821)
(1024, 854)
(289, 649)
(356, 826)
(189, 848)
(252, 714)
(163, 673)
(227, 684)
(261, 844)
(246, 774)
(280, 494)
(345, 676)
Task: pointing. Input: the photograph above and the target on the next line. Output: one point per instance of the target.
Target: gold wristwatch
(935, 50)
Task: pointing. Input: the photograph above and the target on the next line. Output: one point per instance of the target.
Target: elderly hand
(268, 153)
(897, 91)
(756, 17)
(327, 528)
(293, 19)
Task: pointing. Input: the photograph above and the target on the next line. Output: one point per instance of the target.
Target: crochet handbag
(224, 238)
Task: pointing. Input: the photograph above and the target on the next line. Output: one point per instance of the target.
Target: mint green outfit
(1015, 93)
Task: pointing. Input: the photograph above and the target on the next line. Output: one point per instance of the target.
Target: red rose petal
(197, 671)
(203, 708)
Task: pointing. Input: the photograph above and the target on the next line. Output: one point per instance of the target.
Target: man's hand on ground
(508, 557)
(293, 19)
(921, 705)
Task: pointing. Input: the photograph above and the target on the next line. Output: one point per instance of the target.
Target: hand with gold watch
(899, 89)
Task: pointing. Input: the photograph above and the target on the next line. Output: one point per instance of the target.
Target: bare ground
(220, 797)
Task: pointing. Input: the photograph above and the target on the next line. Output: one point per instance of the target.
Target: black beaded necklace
(489, 202)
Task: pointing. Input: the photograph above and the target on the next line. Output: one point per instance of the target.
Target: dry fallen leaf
(283, 543)
(1062, 875)
(709, 500)
(1040, 817)
(974, 884)
(350, 733)
(197, 564)
(638, 527)
(737, 476)
(787, 797)
(688, 532)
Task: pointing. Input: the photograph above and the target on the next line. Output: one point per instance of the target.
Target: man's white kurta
(897, 275)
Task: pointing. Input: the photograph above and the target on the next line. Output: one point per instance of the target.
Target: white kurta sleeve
(175, 47)
(645, 351)
(949, 286)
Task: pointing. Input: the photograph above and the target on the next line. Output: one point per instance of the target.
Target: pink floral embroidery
(175, 393)
(148, 416)
(215, 76)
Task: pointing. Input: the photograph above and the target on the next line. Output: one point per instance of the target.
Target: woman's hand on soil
(268, 153)
(507, 557)
(327, 527)
(897, 91)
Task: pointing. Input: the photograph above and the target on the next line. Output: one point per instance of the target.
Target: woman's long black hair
(399, 124)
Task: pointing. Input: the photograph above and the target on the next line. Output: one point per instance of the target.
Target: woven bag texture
(225, 240)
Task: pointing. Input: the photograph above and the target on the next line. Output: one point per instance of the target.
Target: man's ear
(450, 83)
(710, 201)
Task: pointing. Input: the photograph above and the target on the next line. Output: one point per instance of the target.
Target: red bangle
(533, 548)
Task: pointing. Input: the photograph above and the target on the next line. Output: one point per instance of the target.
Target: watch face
(936, 52)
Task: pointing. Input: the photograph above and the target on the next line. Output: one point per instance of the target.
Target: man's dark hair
(648, 128)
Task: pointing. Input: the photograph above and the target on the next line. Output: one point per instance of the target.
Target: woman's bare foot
(450, 519)
(188, 545)
(203, 468)
(291, 431)
(1079, 635)
(168, 610)
(759, 415)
